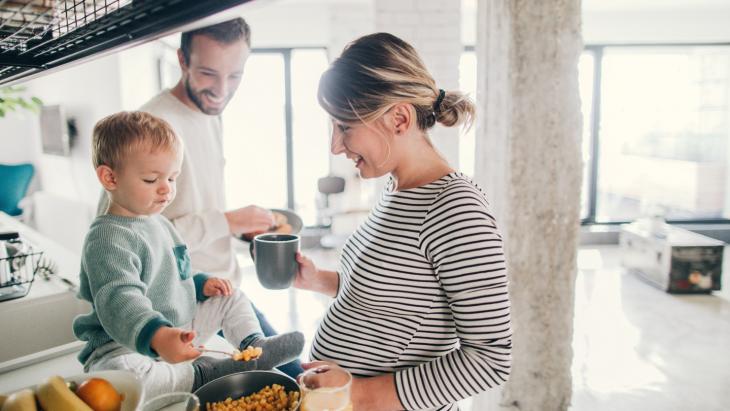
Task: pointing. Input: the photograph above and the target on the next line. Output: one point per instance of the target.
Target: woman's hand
(366, 394)
(326, 374)
(174, 344)
(309, 277)
(306, 278)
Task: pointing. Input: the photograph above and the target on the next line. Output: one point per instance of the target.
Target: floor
(636, 348)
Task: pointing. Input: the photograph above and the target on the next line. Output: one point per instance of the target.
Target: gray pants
(233, 314)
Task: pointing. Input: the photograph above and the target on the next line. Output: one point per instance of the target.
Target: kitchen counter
(37, 327)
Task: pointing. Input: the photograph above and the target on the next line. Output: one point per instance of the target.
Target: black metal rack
(38, 35)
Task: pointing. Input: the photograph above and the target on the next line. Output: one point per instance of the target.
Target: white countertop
(38, 326)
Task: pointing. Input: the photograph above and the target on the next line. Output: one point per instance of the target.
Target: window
(276, 135)
(657, 137)
(311, 131)
(254, 130)
(468, 85)
(585, 79)
(663, 136)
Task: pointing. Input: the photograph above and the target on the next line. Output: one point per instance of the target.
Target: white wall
(87, 92)
(289, 23)
(657, 25)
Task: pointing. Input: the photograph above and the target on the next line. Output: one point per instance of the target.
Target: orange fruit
(100, 395)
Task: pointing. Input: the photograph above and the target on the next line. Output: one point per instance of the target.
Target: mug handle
(251, 250)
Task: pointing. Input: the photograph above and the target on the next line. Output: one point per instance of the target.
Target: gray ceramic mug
(275, 259)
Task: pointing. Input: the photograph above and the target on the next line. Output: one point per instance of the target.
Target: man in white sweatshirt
(212, 61)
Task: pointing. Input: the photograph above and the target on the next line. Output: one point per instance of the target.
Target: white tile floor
(635, 348)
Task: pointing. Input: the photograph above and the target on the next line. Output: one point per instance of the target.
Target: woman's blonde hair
(116, 136)
(379, 70)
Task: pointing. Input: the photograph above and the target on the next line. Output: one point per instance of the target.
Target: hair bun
(455, 109)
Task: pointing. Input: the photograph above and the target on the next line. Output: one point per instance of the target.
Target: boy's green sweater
(135, 272)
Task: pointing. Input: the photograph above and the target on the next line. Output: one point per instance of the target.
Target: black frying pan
(241, 384)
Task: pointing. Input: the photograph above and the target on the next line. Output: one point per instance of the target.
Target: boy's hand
(215, 287)
(174, 344)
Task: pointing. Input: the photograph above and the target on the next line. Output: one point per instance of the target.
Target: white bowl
(123, 381)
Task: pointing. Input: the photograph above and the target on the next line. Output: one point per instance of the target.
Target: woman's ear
(402, 117)
(106, 177)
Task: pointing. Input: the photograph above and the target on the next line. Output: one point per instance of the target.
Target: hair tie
(439, 99)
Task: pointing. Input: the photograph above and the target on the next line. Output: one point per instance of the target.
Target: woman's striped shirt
(423, 294)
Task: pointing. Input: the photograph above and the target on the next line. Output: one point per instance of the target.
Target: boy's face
(145, 184)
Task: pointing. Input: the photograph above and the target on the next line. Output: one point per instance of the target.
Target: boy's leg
(292, 369)
(235, 315)
(157, 377)
(232, 314)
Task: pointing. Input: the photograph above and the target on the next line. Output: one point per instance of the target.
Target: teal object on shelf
(14, 182)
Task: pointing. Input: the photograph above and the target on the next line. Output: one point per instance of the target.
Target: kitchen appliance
(674, 259)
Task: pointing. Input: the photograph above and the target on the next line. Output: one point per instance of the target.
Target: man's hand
(249, 219)
(215, 287)
(174, 344)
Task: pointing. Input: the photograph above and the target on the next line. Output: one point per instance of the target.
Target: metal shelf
(39, 35)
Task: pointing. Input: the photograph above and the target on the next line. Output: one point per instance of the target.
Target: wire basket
(17, 271)
(26, 23)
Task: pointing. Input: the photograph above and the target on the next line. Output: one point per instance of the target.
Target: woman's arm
(313, 279)
(461, 239)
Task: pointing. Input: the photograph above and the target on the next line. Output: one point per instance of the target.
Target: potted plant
(11, 98)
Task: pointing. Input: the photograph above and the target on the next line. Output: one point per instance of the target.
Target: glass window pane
(468, 84)
(255, 135)
(311, 131)
(664, 133)
(585, 81)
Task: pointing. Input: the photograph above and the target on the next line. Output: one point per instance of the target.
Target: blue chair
(14, 182)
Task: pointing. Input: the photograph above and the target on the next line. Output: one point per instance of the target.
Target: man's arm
(198, 230)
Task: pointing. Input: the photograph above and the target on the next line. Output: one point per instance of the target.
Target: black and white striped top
(423, 294)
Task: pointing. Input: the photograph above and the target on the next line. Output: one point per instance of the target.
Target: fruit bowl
(54, 390)
(123, 381)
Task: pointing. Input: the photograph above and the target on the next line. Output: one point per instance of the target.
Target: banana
(54, 395)
(23, 400)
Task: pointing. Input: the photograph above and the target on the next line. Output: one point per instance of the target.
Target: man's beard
(197, 98)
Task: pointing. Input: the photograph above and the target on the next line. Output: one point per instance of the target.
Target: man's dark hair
(226, 32)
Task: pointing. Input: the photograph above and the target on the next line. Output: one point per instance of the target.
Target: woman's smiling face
(365, 145)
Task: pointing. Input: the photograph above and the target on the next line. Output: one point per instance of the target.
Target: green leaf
(37, 101)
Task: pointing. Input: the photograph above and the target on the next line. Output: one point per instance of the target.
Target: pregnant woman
(421, 315)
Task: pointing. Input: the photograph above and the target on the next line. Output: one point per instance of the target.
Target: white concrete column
(433, 27)
(529, 163)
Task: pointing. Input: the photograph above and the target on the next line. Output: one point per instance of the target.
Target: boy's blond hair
(119, 134)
